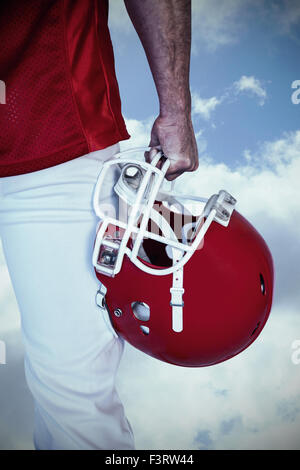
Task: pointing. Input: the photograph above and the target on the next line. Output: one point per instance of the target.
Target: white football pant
(48, 228)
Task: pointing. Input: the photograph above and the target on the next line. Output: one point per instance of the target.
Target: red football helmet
(184, 279)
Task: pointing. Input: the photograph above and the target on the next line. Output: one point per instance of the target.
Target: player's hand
(176, 138)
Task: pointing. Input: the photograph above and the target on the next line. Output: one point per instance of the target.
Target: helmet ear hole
(145, 330)
(141, 310)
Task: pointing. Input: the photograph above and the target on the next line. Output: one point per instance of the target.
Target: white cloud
(250, 84)
(217, 23)
(139, 131)
(205, 106)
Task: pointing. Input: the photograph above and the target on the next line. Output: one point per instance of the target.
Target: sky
(246, 115)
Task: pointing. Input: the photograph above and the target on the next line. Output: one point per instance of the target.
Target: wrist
(175, 108)
(175, 103)
(175, 111)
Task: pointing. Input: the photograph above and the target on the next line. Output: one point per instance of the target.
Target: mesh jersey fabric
(62, 95)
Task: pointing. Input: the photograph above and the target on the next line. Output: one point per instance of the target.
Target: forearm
(164, 28)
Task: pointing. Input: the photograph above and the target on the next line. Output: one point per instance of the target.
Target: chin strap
(177, 292)
(177, 303)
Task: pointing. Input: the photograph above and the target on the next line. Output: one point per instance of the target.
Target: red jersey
(62, 96)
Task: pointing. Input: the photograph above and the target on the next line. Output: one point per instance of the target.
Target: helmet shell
(228, 286)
